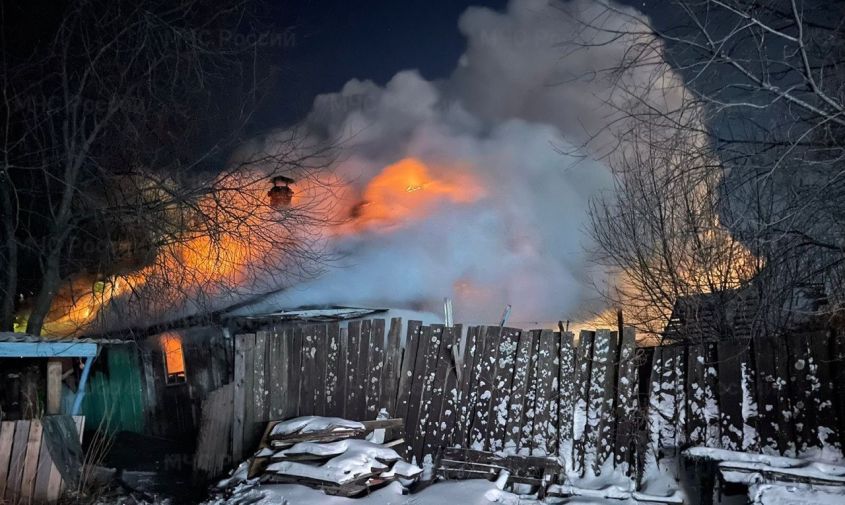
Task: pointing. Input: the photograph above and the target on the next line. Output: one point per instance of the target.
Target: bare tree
(735, 190)
(117, 173)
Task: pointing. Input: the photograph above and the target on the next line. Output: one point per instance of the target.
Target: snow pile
(313, 424)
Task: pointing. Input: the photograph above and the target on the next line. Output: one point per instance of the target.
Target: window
(174, 360)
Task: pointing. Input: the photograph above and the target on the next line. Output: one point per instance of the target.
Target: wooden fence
(781, 395)
(28, 474)
(546, 393)
(535, 392)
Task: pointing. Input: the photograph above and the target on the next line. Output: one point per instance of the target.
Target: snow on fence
(782, 395)
(547, 393)
(537, 392)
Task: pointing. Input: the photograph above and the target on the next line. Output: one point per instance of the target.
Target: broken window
(174, 360)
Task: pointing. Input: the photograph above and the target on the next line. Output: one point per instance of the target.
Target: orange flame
(406, 190)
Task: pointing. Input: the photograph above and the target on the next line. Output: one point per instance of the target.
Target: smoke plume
(501, 216)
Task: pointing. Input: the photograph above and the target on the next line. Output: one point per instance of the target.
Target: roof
(22, 345)
(316, 314)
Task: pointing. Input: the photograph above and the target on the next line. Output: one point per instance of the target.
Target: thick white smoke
(523, 97)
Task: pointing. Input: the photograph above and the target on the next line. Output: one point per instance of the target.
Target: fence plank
(342, 372)
(730, 393)
(332, 354)
(259, 381)
(13, 482)
(416, 390)
(544, 425)
(820, 367)
(238, 404)
(502, 383)
(566, 400)
(680, 363)
(485, 370)
(526, 436)
(363, 369)
(30, 466)
(451, 396)
(466, 392)
(432, 358)
(320, 349)
(7, 435)
(250, 426)
(277, 369)
(838, 378)
(390, 371)
(42, 474)
(772, 423)
(375, 369)
(294, 342)
(406, 373)
(627, 418)
(353, 376)
(435, 425)
(599, 440)
(581, 396)
(308, 367)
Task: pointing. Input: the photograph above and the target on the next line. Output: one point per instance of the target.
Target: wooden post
(54, 386)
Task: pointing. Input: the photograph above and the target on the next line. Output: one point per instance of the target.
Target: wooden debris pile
(331, 454)
(459, 464)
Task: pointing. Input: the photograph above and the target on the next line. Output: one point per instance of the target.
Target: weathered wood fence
(544, 392)
(28, 473)
(536, 392)
(781, 395)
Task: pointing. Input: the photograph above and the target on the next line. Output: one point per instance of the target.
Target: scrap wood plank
(627, 420)
(581, 396)
(332, 389)
(406, 370)
(485, 370)
(432, 357)
(470, 353)
(545, 431)
(502, 383)
(437, 428)
(525, 469)
(566, 383)
(320, 358)
(16, 462)
(451, 401)
(392, 362)
(375, 369)
(416, 391)
(519, 390)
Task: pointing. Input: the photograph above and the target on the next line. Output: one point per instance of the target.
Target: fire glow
(402, 192)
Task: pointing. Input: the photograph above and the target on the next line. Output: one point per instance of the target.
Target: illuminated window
(174, 360)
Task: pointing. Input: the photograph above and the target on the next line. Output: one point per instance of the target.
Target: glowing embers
(174, 359)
